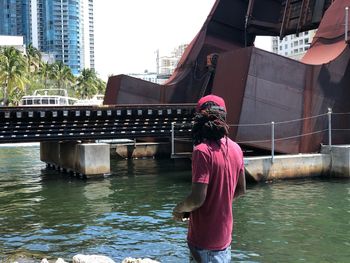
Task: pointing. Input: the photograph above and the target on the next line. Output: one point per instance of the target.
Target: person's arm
(193, 201)
(241, 185)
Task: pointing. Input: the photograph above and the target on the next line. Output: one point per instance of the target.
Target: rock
(22, 257)
(139, 260)
(60, 260)
(91, 259)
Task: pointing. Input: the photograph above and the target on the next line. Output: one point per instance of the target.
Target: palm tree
(101, 86)
(45, 72)
(87, 84)
(33, 57)
(62, 74)
(13, 71)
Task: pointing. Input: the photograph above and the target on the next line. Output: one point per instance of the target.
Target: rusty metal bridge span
(37, 124)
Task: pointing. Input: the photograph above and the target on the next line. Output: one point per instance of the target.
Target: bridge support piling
(88, 159)
(93, 159)
(340, 159)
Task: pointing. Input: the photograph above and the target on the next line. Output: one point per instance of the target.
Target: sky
(128, 32)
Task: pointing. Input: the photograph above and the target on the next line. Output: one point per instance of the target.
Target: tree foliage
(21, 74)
(33, 57)
(13, 75)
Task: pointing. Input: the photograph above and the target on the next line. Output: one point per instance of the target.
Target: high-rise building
(14, 18)
(167, 64)
(64, 29)
(59, 31)
(89, 39)
(293, 46)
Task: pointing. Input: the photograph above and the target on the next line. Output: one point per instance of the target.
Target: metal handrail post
(172, 138)
(329, 113)
(272, 141)
(346, 23)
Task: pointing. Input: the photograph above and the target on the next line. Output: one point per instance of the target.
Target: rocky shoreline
(77, 259)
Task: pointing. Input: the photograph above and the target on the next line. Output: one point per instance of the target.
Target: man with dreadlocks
(217, 178)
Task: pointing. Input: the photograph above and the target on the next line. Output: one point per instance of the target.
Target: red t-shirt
(210, 226)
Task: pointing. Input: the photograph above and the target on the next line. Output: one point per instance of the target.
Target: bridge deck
(36, 124)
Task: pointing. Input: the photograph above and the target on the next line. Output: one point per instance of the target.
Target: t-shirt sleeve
(200, 167)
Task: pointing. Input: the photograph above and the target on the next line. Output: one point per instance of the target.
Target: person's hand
(179, 213)
(177, 216)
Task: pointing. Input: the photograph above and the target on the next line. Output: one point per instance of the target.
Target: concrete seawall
(286, 166)
(340, 160)
(93, 159)
(333, 161)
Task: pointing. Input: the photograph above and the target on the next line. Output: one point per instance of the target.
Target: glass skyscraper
(61, 32)
(14, 18)
(57, 27)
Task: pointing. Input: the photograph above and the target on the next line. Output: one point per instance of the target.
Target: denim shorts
(198, 255)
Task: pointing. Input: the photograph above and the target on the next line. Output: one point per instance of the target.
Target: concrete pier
(286, 166)
(340, 160)
(93, 159)
(130, 150)
(333, 161)
(88, 159)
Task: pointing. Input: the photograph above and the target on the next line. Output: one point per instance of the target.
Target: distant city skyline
(293, 46)
(129, 33)
(120, 37)
(61, 28)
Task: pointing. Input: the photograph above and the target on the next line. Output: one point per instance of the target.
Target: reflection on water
(296, 221)
(129, 213)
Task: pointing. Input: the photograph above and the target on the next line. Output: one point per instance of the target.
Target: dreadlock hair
(209, 123)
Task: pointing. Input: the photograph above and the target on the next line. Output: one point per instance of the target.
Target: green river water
(128, 214)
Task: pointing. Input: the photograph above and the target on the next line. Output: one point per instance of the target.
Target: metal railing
(346, 23)
(275, 126)
(181, 127)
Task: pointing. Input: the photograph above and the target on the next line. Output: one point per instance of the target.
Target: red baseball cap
(213, 98)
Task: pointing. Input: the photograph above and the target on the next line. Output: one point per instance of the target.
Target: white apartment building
(13, 41)
(167, 64)
(88, 47)
(18, 43)
(148, 76)
(293, 46)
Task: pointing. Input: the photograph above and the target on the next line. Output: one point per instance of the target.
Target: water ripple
(129, 213)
